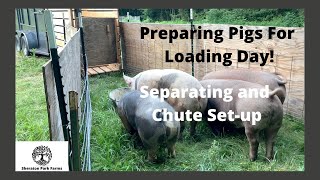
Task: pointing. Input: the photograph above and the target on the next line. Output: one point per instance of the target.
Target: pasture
(112, 149)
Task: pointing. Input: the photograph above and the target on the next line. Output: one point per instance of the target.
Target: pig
(171, 78)
(183, 81)
(270, 108)
(264, 78)
(136, 115)
(148, 78)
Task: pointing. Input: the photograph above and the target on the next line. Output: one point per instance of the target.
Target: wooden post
(117, 31)
(57, 77)
(49, 28)
(128, 17)
(76, 14)
(73, 105)
(191, 22)
(71, 17)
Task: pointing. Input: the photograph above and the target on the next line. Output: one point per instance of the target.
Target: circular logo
(42, 155)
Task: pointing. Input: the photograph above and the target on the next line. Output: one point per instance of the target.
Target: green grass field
(112, 149)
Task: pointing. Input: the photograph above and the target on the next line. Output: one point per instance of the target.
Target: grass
(112, 149)
(31, 108)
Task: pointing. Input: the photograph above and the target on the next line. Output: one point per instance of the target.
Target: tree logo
(42, 155)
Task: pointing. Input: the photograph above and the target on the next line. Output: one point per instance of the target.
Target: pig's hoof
(158, 160)
(253, 159)
(172, 155)
(269, 159)
(152, 158)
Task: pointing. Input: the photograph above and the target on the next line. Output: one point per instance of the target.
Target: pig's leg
(270, 134)
(152, 154)
(253, 142)
(126, 124)
(171, 150)
(193, 125)
(182, 126)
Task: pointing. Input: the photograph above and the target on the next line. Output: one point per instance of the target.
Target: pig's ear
(127, 79)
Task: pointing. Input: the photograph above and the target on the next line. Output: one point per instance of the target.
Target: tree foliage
(277, 17)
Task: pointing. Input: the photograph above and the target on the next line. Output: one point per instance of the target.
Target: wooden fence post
(57, 77)
(73, 105)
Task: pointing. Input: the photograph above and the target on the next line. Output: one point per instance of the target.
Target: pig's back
(155, 132)
(218, 103)
(152, 77)
(270, 108)
(183, 81)
(259, 77)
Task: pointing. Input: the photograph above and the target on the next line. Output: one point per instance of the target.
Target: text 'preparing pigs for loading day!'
(218, 36)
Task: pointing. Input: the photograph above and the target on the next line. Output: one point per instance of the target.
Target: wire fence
(85, 124)
(68, 96)
(85, 104)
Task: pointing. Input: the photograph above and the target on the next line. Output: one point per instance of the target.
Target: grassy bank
(112, 149)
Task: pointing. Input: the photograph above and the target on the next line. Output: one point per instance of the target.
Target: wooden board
(99, 9)
(105, 68)
(99, 42)
(70, 71)
(59, 36)
(60, 14)
(55, 125)
(58, 29)
(98, 70)
(71, 15)
(60, 43)
(114, 66)
(100, 13)
(59, 22)
(70, 61)
(117, 31)
(91, 71)
(63, 21)
(70, 31)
